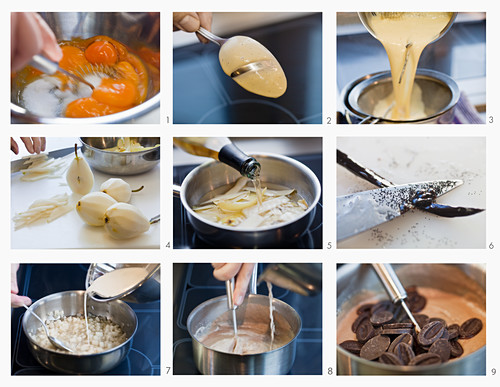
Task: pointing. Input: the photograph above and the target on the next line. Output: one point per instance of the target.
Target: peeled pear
(79, 175)
(118, 189)
(124, 221)
(92, 207)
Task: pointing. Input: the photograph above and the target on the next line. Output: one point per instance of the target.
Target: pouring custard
(404, 35)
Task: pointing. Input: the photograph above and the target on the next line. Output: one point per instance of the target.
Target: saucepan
(147, 290)
(440, 94)
(276, 169)
(356, 282)
(255, 309)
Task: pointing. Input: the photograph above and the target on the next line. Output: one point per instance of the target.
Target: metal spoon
(243, 69)
(56, 342)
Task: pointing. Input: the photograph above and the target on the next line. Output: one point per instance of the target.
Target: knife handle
(390, 281)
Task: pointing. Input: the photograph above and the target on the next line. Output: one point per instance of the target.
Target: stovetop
(38, 281)
(194, 284)
(184, 236)
(204, 94)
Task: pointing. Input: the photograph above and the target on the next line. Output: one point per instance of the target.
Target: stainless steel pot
(120, 163)
(440, 94)
(131, 28)
(71, 303)
(148, 290)
(276, 169)
(255, 308)
(354, 280)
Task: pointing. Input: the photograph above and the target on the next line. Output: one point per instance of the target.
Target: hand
(30, 35)
(32, 144)
(191, 21)
(242, 272)
(15, 300)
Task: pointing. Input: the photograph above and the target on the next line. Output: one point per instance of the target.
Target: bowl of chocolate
(376, 337)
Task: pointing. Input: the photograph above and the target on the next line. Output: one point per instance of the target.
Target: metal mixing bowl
(71, 303)
(440, 94)
(279, 361)
(120, 163)
(134, 29)
(355, 281)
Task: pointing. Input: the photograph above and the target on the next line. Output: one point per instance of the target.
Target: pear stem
(138, 189)
(76, 150)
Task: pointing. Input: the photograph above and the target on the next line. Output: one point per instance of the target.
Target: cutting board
(69, 231)
(409, 159)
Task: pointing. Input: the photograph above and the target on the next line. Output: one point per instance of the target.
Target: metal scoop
(56, 342)
(47, 66)
(394, 288)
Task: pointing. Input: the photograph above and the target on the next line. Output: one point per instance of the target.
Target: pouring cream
(113, 284)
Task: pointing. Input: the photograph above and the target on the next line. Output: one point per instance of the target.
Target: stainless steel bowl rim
(390, 367)
(123, 116)
(378, 76)
(99, 150)
(124, 294)
(219, 298)
(287, 159)
(74, 355)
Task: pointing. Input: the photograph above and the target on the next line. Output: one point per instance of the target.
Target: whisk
(47, 66)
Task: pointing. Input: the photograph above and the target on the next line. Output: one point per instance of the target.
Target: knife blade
(23, 163)
(362, 211)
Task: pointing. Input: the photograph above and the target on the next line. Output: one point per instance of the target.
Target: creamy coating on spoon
(269, 80)
(404, 35)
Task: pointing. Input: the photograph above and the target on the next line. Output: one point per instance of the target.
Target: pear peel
(79, 175)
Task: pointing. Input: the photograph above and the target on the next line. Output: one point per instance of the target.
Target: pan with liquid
(217, 352)
(368, 99)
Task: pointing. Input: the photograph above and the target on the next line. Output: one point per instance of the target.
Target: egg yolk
(100, 52)
(116, 92)
(89, 107)
(73, 58)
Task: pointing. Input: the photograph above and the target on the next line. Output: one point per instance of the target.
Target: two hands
(242, 273)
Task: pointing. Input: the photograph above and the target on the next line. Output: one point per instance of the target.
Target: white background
(329, 257)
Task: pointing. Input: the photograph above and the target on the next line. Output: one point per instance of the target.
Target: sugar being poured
(113, 284)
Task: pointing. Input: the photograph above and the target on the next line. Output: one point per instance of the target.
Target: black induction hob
(184, 236)
(194, 284)
(204, 94)
(38, 281)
